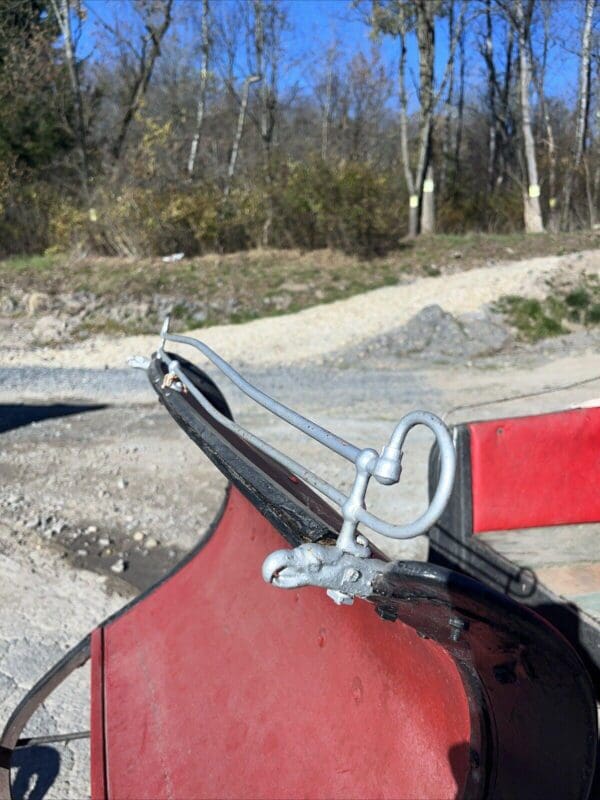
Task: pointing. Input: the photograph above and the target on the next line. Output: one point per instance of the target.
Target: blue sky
(316, 23)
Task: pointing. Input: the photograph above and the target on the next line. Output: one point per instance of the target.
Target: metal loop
(385, 467)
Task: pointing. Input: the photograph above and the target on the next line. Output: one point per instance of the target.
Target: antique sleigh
(285, 657)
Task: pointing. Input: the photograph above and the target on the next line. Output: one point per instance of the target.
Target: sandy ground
(83, 488)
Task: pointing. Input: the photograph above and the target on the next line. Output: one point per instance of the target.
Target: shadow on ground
(35, 771)
(19, 414)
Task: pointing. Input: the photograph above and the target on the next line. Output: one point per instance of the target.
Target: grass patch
(28, 264)
(563, 308)
(533, 319)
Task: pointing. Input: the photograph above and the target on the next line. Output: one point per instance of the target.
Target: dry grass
(242, 286)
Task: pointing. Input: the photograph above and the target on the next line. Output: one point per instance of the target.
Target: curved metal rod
(289, 463)
(322, 435)
(385, 468)
(445, 482)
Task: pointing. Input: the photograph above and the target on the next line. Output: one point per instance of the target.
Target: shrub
(350, 206)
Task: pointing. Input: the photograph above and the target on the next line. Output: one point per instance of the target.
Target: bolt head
(340, 598)
(351, 575)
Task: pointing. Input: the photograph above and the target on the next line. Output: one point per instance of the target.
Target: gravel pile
(437, 336)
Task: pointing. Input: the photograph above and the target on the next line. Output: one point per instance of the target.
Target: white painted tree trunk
(532, 211)
(428, 203)
(200, 112)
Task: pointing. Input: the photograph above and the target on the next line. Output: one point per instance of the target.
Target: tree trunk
(428, 203)
(327, 113)
(540, 80)
(63, 17)
(461, 103)
(531, 198)
(235, 148)
(150, 51)
(447, 147)
(583, 104)
(488, 54)
(265, 22)
(413, 198)
(589, 193)
(426, 43)
(205, 48)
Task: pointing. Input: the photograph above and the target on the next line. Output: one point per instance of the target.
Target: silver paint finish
(332, 568)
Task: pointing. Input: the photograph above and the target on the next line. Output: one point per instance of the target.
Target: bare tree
(268, 21)
(156, 19)
(583, 105)
(400, 18)
(332, 55)
(205, 46)
(62, 11)
(460, 107)
(539, 75)
(492, 87)
(447, 144)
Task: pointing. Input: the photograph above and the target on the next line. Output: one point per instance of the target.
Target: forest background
(149, 127)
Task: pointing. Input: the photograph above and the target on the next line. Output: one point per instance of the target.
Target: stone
(150, 543)
(35, 302)
(138, 536)
(50, 328)
(119, 566)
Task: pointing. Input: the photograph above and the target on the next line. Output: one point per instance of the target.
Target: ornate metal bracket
(346, 568)
(343, 575)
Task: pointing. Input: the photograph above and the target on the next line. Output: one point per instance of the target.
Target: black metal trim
(453, 545)
(532, 703)
(299, 513)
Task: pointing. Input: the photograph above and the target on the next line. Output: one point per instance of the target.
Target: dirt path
(316, 332)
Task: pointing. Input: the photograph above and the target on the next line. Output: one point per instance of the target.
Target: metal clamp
(333, 563)
(342, 574)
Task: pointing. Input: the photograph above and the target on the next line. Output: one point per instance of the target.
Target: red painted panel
(218, 685)
(534, 471)
(97, 766)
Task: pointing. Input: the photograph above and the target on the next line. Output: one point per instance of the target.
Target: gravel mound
(437, 335)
